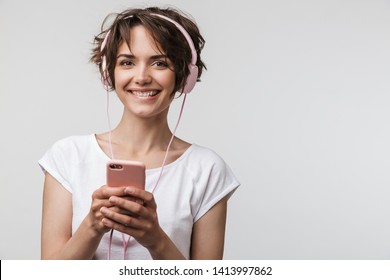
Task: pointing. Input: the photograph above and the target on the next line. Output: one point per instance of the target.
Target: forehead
(139, 40)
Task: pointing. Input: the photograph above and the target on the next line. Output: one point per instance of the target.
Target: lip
(144, 94)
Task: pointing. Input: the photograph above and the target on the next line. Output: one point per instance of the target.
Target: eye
(126, 63)
(160, 64)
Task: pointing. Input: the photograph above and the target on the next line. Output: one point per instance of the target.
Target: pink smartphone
(125, 173)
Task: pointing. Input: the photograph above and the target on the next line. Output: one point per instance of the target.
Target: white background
(295, 99)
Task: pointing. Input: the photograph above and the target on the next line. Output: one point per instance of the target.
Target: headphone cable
(125, 243)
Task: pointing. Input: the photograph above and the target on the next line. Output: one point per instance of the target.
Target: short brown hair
(167, 36)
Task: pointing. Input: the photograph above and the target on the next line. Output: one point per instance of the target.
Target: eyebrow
(131, 56)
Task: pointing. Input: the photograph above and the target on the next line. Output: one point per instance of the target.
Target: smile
(144, 93)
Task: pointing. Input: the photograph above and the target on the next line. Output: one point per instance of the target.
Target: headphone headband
(193, 75)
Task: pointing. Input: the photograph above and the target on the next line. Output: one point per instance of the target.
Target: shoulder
(204, 155)
(61, 158)
(212, 178)
(72, 147)
(73, 143)
(204, 160)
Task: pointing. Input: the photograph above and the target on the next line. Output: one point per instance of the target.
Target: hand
(135, 219)
(100, 198)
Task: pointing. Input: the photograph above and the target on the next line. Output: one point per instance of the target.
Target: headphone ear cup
(191, 79)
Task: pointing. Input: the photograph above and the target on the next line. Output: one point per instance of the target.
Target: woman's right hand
(100, 198)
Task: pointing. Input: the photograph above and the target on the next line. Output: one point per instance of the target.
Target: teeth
(144, 94)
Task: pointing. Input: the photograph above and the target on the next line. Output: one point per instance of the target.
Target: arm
(208, 234)
(57, 241)
(56, 221)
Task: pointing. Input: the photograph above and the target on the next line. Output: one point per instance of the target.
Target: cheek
(120, 77)
(167, 80)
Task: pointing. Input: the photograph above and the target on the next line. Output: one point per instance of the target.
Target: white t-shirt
(188, 188)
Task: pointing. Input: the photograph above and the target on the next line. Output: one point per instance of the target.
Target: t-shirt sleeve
(54, 162)
(218, 181)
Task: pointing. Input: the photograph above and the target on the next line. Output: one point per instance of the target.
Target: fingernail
(113, 199)
(104, 210)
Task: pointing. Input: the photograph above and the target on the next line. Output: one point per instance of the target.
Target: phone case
(125, 173)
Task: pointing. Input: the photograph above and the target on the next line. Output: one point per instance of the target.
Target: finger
(119, 210)
(125, 220)
(121, 228)
(99, 203)
(134, 208)
(133, 199)
(146, 197)
(105, 192)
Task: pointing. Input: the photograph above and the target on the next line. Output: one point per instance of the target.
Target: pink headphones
(192, 77)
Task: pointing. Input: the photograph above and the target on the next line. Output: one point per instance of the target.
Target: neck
(136, 136)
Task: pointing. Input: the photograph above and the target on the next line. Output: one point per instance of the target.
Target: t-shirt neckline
(151, 170)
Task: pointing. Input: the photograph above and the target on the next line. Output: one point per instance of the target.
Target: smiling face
(144, 77)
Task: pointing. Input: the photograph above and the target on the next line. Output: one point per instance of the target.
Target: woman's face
(144, 80)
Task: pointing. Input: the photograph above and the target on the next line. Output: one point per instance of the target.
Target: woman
(145, 58)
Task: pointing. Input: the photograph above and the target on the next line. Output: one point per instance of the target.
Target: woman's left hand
(136, 219)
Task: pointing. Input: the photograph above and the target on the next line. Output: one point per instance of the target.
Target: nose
(142, 75)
